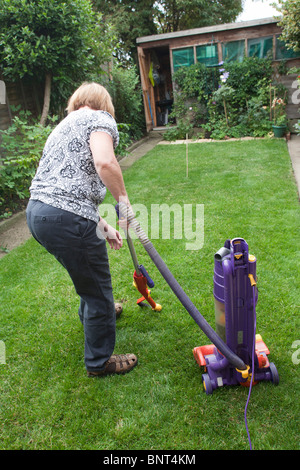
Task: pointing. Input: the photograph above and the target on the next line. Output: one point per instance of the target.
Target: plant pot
(279, 131)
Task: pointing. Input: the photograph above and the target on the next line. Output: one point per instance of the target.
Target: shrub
(245, 77)
(256, 120)
(21, 148)
(194, 87)
(197, 81)
(124, 139)
(127, 98)
(229, 100)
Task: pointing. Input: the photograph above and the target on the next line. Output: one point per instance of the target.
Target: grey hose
(237, 362)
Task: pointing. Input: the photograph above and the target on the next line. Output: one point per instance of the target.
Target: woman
(77, 165)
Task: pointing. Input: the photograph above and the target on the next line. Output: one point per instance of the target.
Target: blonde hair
(93, 95)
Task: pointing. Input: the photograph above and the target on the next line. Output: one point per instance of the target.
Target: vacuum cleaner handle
(130, 246)
(236, 361)
(139, 268)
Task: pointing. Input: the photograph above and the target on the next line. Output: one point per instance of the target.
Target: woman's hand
(111, 235)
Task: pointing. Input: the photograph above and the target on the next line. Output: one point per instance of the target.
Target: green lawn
(47, 401)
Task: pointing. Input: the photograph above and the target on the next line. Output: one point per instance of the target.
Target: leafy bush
(194, 86)
(245, 77)
(197, 81)
(257, 119)
(127, 98)
(124, 139)
(230, 100)
(21, 148)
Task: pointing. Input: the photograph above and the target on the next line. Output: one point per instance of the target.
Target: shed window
(207, 54)
(282, 52)
(260, 47)
(183, 57)
(233, 50)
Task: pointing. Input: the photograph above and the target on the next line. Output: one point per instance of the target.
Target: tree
(290, 23)
(126, 94)
(136, 18)
(177, 15)
(131, 19)
(62, 42)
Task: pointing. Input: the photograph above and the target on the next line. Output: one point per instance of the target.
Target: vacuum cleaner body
(241, 354)
(235, 294)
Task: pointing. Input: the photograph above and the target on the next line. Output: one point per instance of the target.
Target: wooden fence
(27, 94)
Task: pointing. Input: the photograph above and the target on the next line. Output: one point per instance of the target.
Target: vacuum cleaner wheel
(274, 374)
(207, 384)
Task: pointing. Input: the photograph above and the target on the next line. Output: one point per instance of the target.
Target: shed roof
(207, 29)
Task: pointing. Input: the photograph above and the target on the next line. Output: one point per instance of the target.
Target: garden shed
(162, 54)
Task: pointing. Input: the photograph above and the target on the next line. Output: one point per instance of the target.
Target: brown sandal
(116, 364)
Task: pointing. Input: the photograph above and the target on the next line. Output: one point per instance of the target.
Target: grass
(48, 402)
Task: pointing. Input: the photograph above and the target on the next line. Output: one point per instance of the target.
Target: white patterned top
(66, 177)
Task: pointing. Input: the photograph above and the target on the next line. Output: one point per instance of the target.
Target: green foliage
(124, 139)
(132, 19)
(67, 39)
(257, 120)
(176, 15)
(245, 77)
(233, 99)
(197, 81)
(290, 22)
(44, 36)
(194, 86)
(126, 94)
(21, 149)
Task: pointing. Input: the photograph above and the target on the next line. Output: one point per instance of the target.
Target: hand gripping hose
(126, 213)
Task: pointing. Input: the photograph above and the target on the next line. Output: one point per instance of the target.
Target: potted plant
(279, 122)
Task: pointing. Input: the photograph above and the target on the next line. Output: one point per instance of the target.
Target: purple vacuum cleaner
(237, 355)
(235, 293)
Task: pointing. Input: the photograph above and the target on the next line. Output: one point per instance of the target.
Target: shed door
(156, 78)
(148, 92)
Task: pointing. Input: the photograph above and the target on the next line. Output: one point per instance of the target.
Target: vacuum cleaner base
(218, 371)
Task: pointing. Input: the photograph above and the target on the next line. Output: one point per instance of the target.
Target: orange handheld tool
(141, 279)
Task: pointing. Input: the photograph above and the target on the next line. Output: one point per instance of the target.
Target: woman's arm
(110, 173)
(107, 166)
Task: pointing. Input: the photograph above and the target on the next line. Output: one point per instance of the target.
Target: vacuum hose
(126, 212)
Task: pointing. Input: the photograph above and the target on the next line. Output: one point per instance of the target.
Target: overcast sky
(255, 9)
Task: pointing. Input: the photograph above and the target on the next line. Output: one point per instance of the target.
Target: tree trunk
(46, 104)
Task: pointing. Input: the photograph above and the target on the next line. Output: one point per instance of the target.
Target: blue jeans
(74, 243)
